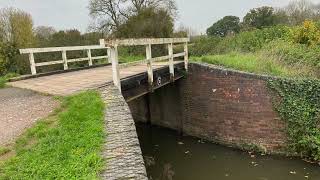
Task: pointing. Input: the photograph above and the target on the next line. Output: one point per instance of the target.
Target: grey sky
(199, 14)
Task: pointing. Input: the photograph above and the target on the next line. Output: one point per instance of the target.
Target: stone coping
(122, 150)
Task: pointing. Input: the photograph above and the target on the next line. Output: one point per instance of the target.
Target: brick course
(219, 105)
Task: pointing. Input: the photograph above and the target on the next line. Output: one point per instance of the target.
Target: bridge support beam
(186, 56)
(149, 63)
(89, 57)
(109, 55)
(115, 67)
(171, 63)
(65, 60)
(32, 64)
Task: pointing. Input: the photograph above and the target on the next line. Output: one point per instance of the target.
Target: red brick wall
(219, 105)
(231, 107)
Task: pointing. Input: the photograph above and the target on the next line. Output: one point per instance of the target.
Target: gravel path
(20, 109)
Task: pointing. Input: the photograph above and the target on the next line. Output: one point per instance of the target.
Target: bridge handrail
(65, 60)
(113, 45)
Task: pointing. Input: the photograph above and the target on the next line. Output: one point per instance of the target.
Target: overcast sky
(198, 14)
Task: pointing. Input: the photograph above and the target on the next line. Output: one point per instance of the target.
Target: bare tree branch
(117, 12)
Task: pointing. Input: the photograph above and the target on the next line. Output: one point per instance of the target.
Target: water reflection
(170, 156)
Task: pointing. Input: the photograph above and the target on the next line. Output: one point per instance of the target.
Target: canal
(170, 156)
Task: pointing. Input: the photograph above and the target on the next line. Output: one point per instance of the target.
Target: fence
(65, 60)
(114, 44)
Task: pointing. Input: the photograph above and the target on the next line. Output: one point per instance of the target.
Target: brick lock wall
(230, 107)
(219, 105)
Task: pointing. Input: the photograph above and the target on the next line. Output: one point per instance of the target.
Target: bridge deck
(72, 82)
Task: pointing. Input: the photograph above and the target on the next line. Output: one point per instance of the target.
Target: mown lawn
(254, 64)
(66, 145)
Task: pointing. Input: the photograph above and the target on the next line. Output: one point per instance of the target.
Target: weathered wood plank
(100, 57)
(186, 56)
(171, 64)
(137, 42)
(32, 64)
(178, 55)
(89, 57)
(115, 67)
(58, 49)
(65, 60)
(49, 63)
(149, 63)
(78, 60)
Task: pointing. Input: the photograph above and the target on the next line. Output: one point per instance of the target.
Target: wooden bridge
(68, 82)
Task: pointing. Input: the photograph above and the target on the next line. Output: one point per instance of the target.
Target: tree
(16, 31)
(16, 27)
(260, 17)
(44, 32)
(225, 26)
(109, 15)
(301, 10)
(43, 35)
(143, 25)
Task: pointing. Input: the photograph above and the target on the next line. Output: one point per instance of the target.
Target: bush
(248, 41)
(293, 54)
(204, 46)
(254, 40)
(11, 60)
(308, 34)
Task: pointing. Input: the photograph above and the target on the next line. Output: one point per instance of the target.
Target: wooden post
(186, 56)
(115, 67)
(32, 64)
(171, 65)
(89, 56)
(149, 63)
(109, 55)
(65, 60)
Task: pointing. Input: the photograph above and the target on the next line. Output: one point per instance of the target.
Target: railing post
(149, 63)
(32, 64)
(65, 60)
(109, 55)
(186, 56)
(115, 67)
(89, 56)
(171, 65)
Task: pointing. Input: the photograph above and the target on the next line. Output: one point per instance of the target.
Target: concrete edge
(236, 72)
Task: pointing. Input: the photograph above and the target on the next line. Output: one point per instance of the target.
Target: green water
(170, 156)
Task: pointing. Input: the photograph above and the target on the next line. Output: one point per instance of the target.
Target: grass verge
(64, 146)
(4, 79)
(131, 58)
(254, 63)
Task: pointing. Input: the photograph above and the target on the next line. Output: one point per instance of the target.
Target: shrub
(204, 46)
(251, 41)
(293, 54)
(248, 41)
(308, 34)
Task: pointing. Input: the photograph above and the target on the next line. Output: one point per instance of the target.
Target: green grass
(4, 79)
(252, 63)
(4, 151)
(131, 58)
(64, 146)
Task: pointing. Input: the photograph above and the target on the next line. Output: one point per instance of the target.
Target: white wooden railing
(114, 44)
(65, 60)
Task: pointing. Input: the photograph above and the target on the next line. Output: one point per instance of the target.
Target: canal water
(170, 156)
